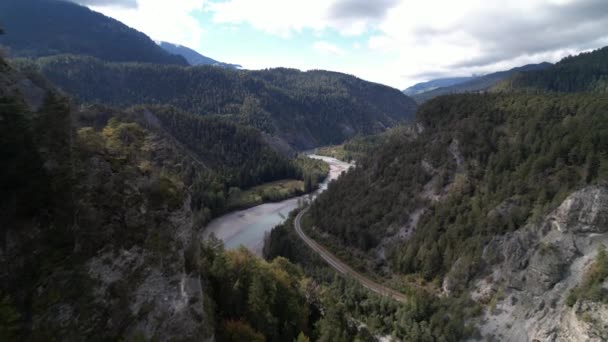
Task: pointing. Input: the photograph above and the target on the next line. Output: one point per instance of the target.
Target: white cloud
(437, 36)
(421, 38)
(328, 48)
(286, 17)
(381, 43)
(161, 20)
(278, 17)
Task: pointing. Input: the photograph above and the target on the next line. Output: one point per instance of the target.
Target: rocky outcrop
(583, 212)
(161, 299)
(145, 284)
(533, 270)
(105, 255)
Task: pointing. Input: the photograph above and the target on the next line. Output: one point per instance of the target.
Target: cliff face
(140, 274)
(537, 267)
(97, 227)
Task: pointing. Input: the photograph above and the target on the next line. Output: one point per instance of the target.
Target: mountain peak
(192, 56)
(36, 28)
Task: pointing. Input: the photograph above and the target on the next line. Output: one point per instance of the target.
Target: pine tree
(593, 166)
(431, 262)
(258, 304)
(302, 338)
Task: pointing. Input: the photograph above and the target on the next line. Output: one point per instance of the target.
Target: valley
(151, 193)
(343, 268)
(249, 227)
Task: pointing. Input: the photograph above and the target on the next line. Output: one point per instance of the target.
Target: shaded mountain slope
(306, 109)
(100, 215)
(500, 197)
(587, 72)
(194, 58)
(435, 84)
(479, 84)
(35, 28)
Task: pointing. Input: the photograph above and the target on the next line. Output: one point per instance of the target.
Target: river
(248, 227)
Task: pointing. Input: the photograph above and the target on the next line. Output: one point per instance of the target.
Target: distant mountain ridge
(37, 28)
(436, 83)
(478, 84)
(304, 109)
(586, 72)
(194, 58)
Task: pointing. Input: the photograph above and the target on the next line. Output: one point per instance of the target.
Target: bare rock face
(534, 269)
(138, 285)
(547, 267)
(592, 318)
(583, 212)
(109, 256)
(145, 287)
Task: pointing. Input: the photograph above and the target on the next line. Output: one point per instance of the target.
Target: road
(343, 268)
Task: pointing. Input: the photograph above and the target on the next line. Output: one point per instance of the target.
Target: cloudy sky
(395, 42)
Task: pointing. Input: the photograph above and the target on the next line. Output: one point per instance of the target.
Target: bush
(162, 191)
(591, 287)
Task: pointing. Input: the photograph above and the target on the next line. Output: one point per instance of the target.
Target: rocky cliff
(532, 272)
(97, 226)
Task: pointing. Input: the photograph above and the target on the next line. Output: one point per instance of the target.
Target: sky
(394, 42)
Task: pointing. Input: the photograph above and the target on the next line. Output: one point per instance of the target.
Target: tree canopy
(305, 109)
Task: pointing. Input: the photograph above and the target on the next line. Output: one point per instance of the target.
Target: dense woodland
(357, 147)
(587, 72)
(83, 181)
(497, 161)
(524, 152)
(257, 300)
(215, 157)
(49, 27)
(306, 109)
(238, 153)
(225, 158)
(117, 160)
(476, 166)
(423, 318)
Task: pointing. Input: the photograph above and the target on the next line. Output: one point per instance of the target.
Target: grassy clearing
(269, 192)
(336, 151)
(359, 146)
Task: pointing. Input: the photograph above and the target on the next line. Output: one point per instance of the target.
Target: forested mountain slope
(36, 28)
(306, 109)
(424, 87)
(587, 72)
(478, 84)
(100, 215)
(503, 195)
(475, 152)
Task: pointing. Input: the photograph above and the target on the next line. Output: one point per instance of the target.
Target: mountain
(101, 211)
(585, 72)
(434, 84)
(304, 109)
(479, 84)
(194, 58)
(500, 198)
(35, 28)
